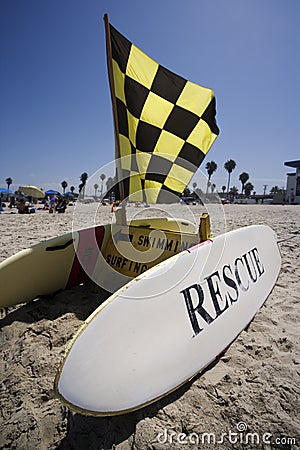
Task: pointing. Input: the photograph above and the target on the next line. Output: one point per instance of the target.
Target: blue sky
(55, 110)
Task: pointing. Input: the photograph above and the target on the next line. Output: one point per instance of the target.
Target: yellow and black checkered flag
(165, 124)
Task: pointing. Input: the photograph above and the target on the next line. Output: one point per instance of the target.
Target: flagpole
(114, 109)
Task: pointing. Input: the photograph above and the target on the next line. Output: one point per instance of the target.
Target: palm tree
(248, 189)
(223, 189)
(109, 183)
(244, 177)
(275, 190)
(8, 181)
(64, 184)
(72, 189)
(211, 167)
(102, 178)
(96, 188)
(233, 192)
(199, 194)
(229, 166)
(83, 179)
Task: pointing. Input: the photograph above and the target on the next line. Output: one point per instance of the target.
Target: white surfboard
(168, 324)
(106, 254)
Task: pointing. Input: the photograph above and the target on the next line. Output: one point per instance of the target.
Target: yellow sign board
(132, 250)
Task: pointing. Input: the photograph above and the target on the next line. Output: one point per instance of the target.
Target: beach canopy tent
(5, 194)
(32, 191)
(52, 192)
(5, 191)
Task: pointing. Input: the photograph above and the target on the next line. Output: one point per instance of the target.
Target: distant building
(293, 183)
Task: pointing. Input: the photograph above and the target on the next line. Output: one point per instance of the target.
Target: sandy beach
(253, 389)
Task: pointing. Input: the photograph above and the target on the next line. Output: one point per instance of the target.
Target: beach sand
(254, 388)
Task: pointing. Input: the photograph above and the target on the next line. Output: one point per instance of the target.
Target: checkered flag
(165, 124)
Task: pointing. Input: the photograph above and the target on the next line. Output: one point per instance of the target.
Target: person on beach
(292, 197)
(61, 206)
(46, 206)
(22, 207)
(12, 202)
(53, 203)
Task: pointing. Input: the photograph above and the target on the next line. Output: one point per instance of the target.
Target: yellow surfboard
(111, 255)
(45, 268)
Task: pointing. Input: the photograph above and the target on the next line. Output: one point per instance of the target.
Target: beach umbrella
(52, 192)
(32, 191)
(5, 191)
(68, 194)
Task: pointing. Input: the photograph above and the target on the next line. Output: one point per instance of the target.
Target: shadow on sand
(106, 432)
(86, 431)
(81, 300)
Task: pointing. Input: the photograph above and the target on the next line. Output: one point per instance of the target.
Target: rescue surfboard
(167, 325)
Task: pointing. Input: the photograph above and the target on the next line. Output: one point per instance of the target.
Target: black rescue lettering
(222, 289)
(215, 293)
(237, 275)
(231, 283)
(193, 309)
(252, 273)
(259, 265)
